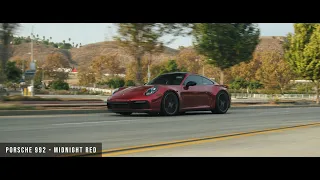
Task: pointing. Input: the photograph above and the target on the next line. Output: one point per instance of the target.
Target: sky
(87, 33)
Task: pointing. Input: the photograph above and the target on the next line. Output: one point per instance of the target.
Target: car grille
(128, 105)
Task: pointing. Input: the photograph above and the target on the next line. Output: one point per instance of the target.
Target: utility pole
(32, 62)
(203, 63)
(23, 71)
(43, 87)
(149, 67)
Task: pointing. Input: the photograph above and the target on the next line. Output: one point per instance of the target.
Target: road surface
(304, 142)
(115, 131)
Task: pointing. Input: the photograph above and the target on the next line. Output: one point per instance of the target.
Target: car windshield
(168, 79)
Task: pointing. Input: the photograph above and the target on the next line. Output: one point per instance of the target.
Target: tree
(86, 76)
(274, 72)
(139, 38)
(189, 58)
(21, 63)
(239, 83)
(166, 67)
(302, 52)
(132, 67)
(54, 66)
(6, 31)
(226, 45)
(247, 70)
(98, 67)
(106, 64)
(12, 72)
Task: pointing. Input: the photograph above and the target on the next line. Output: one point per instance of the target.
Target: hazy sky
(87, 33)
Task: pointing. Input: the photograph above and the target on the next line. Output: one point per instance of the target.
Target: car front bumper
(143, 106)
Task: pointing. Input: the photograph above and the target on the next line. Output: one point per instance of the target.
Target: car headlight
(114, 91)
(151, 91)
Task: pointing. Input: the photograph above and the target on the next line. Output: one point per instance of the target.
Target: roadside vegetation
(233, 54)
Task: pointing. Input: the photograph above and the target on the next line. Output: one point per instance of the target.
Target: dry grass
(84, 55)
(15, 106)
(37, 98)
(270, 43)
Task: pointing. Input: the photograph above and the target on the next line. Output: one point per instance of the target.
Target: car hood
(131, 92)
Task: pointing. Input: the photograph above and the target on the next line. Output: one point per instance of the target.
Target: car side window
(206, 81)
(194, 78)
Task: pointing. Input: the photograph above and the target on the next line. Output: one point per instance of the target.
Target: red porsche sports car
(171, 94)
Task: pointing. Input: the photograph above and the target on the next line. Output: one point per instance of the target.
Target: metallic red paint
(193, 98)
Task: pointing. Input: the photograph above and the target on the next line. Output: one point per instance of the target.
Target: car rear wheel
(222, 103)
(170, 104)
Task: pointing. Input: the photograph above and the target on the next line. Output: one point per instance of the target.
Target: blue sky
(87, 33)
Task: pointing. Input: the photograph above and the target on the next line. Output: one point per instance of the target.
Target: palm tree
(69, 39)
(64, 41)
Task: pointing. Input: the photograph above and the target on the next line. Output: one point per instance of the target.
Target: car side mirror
(191, 83)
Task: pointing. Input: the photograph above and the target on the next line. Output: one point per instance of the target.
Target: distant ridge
(83, 56)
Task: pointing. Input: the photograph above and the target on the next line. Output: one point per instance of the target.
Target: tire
(125, 113)
(170, 104)
(182, 113)
(222, 103)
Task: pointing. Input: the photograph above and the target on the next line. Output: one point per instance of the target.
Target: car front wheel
(222, 103)
(170, 104)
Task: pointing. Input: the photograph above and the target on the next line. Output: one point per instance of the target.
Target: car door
(191, 96)
(206, 91)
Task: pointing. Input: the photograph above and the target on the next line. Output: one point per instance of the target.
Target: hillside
(82, 56)
(88, 52)
(274, 43)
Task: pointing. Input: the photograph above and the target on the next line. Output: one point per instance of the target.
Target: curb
(96, 111)
(272, 107)
(50, 112)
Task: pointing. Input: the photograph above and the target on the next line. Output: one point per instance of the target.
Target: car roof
(176, 73)
(184, 73)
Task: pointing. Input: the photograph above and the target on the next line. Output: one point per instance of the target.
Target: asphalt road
(304, 142)
(116, 131)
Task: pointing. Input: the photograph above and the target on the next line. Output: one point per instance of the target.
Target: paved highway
(304, 142)
(116, 131)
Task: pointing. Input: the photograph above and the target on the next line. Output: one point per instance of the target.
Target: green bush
(238, 83)
(40, 91)
(115, 82)
(304, 88)
(59, 85)
(130, 83)
(269, 91)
